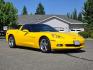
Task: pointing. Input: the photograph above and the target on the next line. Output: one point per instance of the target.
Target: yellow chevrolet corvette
(43, 37)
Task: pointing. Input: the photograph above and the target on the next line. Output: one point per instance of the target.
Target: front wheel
(11, 42)
(45, 45)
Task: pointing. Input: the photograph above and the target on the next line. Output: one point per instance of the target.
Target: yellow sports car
(43, 37)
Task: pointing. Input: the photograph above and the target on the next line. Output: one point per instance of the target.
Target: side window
(25, 27)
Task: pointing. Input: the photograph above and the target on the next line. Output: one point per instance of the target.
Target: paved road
(29, 59)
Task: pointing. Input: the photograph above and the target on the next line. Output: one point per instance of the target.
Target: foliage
(31, 13)
(80, 18)
(88, 15)
(68, 15)
(8, 13)
(92, 35)
(84, 34)
(74, 14)
(24, 11)
(40, 10)
(1, 13)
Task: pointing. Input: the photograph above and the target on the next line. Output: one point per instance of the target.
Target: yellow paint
(31, 39)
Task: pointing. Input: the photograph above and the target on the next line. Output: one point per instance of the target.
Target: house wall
(57, 24)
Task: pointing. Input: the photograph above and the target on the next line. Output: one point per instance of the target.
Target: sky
(54, 7)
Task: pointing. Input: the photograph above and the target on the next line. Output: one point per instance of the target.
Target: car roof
(35, 24)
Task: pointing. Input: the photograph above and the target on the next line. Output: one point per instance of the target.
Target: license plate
(76, 42)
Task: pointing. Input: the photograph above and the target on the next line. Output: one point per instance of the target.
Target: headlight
(56, 36)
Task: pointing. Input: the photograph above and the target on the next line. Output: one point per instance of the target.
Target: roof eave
(79, 23)
(54, 17)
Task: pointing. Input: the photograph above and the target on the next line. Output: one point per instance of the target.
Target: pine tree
(24, 11)
(68, 15)
(31, 13)
(88, 15)
(80, 17)
(74, 14)
(40, 10)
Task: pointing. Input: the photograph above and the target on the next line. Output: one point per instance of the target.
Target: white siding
(59, 25)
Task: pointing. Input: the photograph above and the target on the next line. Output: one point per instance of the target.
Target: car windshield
(41, 28)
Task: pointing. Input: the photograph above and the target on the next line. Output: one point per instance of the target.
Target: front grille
(72, 45)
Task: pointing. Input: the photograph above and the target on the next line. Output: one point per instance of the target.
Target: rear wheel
(11, 42)
(45, 45)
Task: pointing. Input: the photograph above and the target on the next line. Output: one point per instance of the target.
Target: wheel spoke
(43, 45)
(11, 42)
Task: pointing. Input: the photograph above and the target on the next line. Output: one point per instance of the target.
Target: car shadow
(28, 48)
(67, 51)
(54, 51)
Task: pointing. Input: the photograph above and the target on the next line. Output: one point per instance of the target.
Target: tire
(45, 45)
(11, 42)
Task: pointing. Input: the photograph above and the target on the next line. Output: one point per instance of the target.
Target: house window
(78, 30)
(72, 30)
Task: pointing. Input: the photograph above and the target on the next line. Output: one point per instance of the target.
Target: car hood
(68, 35)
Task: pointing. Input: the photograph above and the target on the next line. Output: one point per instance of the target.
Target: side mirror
(25, 30)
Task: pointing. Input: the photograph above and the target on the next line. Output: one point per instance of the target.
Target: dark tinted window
(39, 28)
(26, 27)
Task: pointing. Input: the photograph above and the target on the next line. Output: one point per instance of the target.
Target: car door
(26, 38)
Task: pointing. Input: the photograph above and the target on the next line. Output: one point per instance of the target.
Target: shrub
(84, 34)
(92, 35)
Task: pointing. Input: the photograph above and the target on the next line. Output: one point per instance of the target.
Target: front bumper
(69, 44)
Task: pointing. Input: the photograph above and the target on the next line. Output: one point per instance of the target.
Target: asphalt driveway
(30, 59)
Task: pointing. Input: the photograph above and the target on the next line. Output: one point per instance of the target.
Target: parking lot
(30, 59)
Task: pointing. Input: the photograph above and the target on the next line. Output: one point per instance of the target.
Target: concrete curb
(89, 39)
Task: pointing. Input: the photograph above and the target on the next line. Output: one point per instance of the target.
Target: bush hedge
(91, 35)
(84, 34)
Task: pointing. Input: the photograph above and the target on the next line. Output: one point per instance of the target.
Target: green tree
(11, 13)
(1, 13)
(74, 14)
(24, 11)
(68, 15)
(80, 17)
(8, 14)
(88, 15)
(31, 13)
(40, 10)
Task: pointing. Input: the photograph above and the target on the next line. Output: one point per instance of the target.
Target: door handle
(26, 33)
